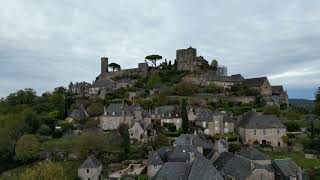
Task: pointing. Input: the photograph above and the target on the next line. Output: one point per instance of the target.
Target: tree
(89, 143)
(214, 64)
(312, 128)
(44, 170)
(44, 130)
(160, 140)
(32, 120)
(153, 59)
(317, 101)
(154, 80)
(123, 131)
(292, 126)
(26, 96)
(185, 89)
(272, 110)
(234, 147)
(175, 65)
(114, 66)
(184, 114)
(27, 148)
(95, 109)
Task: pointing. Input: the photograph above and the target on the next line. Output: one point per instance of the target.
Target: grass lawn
(70, 169)
(297, 157)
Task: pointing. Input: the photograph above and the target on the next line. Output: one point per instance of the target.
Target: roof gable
(91, 162)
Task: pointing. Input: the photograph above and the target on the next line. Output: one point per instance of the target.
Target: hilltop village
(184, 119)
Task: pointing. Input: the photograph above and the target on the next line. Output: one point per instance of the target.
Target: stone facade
(115, 115)
(90, 169)
(187, 60)
(264, 129)
(261, 84)
(137, 132)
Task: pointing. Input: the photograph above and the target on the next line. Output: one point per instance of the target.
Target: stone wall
(112, 123)
(272, 136)
(90, 173)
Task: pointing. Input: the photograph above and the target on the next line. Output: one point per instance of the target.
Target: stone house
(90, 169)
(137, 132)
(286, 169)
(168, 114)
(264, 129)
(170, 163)
(214, 122)
(282, 95)
(116, 114)
(261, 84)
(77, 114)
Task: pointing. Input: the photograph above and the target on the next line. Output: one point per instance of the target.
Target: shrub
(170, 126)
(44, 130)
(27, 148)
(272, 110)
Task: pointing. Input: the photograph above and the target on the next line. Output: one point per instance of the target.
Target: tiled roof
(253, 154)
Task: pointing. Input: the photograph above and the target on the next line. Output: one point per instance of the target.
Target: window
(87, 170)
(113, 113)
(279, 144)
(255, 132)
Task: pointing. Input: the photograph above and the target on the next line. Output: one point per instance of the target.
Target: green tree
(272, 110)
(123, 131)
(234, 147)
(27, 96)
(214, 64)
(45, 171)
(312, 128)
(44, 130)
(160, 140)
(317, 101)
(27, 148)
(153, 59)
(32, 120)
(95, 109)
(114, 66)
(90, 143)
(154, 80)
(185, 89)
(184, 115)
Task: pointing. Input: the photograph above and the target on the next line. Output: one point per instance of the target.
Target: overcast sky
(48, 43)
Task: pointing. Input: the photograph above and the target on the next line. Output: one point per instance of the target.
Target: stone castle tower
(104, 65)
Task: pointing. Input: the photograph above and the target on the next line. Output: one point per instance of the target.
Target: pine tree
(184, 114)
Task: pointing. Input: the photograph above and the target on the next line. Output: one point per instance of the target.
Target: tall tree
(317, 101)
(153, 59)
(214, 64)
(114, 66)
(184, 114)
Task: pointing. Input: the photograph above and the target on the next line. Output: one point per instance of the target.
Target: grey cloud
(44, 44)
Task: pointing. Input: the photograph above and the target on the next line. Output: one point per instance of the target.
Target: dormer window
(113, 113)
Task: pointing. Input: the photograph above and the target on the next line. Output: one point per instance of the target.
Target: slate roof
(222, 160)
(90, 162)
(253, 154)
(191, 139)
(173, 171)
(253, 120)
(238, 167)
(154, 158)
(204, 170)
(166, 111)
(238, 77)
(117, 109)
(255, 82)
(136, 107)
(286, 166)
(277, 90)
(78, 114)
(204, 114)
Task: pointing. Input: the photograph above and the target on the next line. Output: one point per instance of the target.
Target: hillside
(302, 103)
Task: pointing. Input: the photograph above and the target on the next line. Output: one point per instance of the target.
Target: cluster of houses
(193, 157)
